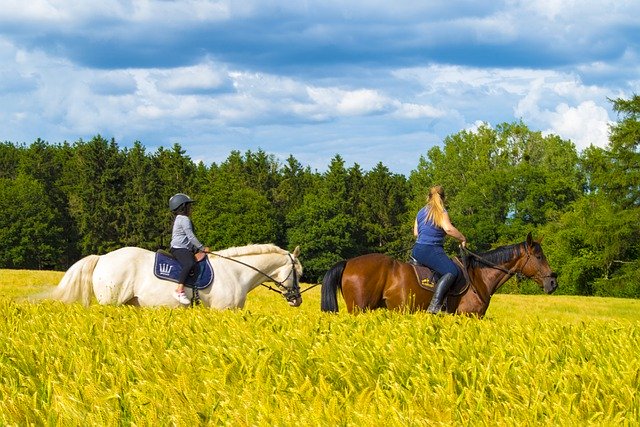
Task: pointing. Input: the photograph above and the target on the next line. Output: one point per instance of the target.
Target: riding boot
(442, 287)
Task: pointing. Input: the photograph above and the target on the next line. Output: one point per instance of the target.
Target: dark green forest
(63, 201)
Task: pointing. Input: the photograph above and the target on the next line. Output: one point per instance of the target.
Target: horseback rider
(431, 225)
(184, 243)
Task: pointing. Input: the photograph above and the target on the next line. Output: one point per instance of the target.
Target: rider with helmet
(184, 243)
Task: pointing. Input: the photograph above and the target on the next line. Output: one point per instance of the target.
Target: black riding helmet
(178, 200)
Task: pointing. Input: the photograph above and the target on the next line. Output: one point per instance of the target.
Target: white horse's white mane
(267, 248)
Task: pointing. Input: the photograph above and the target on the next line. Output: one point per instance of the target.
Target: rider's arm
(453, 231)
(187, 228)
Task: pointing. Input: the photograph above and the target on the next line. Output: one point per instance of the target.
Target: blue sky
(371, 80)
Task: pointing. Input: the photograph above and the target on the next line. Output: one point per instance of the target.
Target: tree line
(63, 201)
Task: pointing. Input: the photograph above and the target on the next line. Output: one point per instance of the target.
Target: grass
(534, 360)
(21, 283)
(565, 308)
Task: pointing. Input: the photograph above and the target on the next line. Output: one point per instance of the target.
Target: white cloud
(348, 103)
(36, 10)
(549, 9)
(198, 78)
(473, 128)
(581, 14)
(562, 105)
(168, 13)
(455, 79)
(417, 111)
(547, 100)
(585, 125)
(361, 102)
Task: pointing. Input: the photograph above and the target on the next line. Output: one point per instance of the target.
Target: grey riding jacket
(183, 236)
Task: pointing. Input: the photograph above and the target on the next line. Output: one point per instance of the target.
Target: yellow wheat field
(550, 360)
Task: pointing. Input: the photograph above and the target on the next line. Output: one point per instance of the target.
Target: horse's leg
(363, 282)
(471, 302)
(402, 290)
(357, 292)
(350, 296)
(113, 279)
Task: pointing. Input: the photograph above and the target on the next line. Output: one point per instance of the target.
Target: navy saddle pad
(167, 267)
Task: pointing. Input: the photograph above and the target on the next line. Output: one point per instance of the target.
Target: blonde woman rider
(431, 226)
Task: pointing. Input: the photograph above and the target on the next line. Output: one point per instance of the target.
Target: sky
(371, 80)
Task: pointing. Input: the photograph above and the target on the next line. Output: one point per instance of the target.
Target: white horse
(125, 276)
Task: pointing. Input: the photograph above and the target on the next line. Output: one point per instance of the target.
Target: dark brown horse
(379, 281)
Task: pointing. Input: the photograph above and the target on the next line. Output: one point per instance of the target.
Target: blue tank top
(428, 232)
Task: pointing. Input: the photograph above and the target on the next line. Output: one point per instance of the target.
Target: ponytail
(435, 202)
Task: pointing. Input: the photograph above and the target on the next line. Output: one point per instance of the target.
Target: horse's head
(289, 276)
(537, 268)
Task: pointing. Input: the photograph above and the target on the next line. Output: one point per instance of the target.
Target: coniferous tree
(288, 196)
(385, 217)
(47, 163)
(95, 198)
(141, 200)
(30, 226)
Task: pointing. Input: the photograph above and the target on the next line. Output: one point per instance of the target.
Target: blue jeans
(435, 258)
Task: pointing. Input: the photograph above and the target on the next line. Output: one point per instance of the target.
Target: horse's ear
(296, 252)
(529, 240)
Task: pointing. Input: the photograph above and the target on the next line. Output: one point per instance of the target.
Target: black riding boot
(442, 287)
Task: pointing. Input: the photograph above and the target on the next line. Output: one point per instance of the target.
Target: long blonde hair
(435, 202)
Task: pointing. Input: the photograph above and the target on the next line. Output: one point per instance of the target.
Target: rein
(496, 266)
(286, 292)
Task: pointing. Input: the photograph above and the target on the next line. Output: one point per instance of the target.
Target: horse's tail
(76, 284)
(330, 283)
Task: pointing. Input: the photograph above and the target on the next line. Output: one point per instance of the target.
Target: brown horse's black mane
(497, 256)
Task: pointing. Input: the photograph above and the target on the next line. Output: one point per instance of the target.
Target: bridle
(510, 272)
(290, 294)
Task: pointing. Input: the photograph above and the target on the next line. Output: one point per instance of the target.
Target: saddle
(166, 267)
(427, 278)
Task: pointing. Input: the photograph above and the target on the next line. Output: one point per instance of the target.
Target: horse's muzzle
(295, 302)
(550, 283)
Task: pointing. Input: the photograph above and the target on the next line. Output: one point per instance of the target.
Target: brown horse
(378, 281)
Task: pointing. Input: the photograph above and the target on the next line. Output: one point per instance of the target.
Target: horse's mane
(258, 249)
(497, 256)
